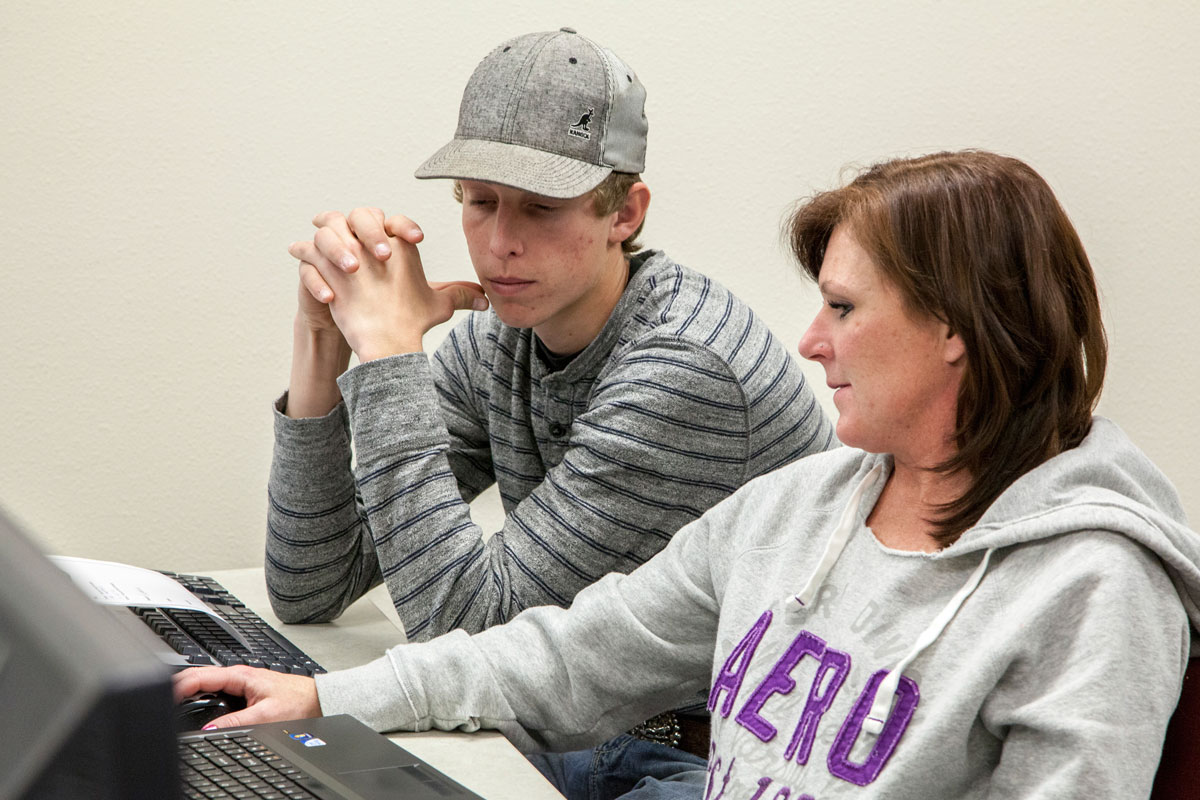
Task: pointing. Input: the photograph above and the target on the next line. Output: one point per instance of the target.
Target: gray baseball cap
(552, 113)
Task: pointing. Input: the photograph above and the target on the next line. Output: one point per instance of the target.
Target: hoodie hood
(1104, 484)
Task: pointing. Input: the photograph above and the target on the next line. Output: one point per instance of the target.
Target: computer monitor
(85, 706)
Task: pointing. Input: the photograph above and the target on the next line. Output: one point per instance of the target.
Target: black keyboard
(202, 641)
(235, 765)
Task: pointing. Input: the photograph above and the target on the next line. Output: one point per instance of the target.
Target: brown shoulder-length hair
(979, 242)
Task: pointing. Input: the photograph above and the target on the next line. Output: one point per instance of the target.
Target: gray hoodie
(1039, 656)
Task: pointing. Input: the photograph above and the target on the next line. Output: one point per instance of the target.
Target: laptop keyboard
(234, 765)
(203, 642)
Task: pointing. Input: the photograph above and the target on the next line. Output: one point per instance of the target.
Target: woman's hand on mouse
(270, 696)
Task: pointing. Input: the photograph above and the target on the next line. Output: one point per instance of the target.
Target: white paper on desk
(116, 584)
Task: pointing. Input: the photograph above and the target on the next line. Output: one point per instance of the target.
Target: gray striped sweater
(683, 397)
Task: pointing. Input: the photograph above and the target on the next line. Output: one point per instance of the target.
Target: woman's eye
(842, 308)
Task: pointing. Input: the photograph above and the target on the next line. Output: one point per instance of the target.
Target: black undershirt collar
(555, 362)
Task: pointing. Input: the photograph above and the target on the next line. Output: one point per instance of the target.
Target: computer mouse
(194, 712)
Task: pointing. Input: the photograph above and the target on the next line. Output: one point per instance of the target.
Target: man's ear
(630, 215)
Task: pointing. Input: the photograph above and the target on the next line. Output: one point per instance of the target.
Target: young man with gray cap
(612, 396)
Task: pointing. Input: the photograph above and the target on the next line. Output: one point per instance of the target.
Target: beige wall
(159, 157)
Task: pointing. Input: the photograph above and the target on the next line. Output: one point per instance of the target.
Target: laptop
(86, 710)
(327, 757)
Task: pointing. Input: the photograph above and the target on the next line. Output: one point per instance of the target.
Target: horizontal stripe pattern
(683, 397)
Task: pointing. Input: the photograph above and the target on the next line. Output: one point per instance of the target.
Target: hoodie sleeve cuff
(372, 692)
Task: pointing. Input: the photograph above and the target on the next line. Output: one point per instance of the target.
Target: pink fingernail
(212, 726)
(382, 250)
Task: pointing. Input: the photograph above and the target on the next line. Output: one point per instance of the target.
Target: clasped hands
(361, 275)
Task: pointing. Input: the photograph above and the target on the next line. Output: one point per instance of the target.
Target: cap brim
(525, 168)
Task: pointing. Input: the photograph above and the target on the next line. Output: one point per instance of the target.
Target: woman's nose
(814, 344)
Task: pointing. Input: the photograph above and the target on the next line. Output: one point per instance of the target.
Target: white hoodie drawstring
(881, 706)
(841, 535)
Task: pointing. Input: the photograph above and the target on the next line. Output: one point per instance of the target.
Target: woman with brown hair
(987, 593)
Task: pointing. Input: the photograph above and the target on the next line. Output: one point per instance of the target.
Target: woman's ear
(953, 349)
(630, 215)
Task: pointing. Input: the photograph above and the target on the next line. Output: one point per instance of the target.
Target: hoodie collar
(869, 486)
(1105, 483)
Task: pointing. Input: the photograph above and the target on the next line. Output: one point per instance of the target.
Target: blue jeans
(625, 767)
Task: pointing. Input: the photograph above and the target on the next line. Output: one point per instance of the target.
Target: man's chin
(514, 316)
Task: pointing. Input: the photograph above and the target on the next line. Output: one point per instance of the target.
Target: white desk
(484, 761)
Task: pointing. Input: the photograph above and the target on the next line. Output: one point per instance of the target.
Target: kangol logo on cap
(581, 129)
